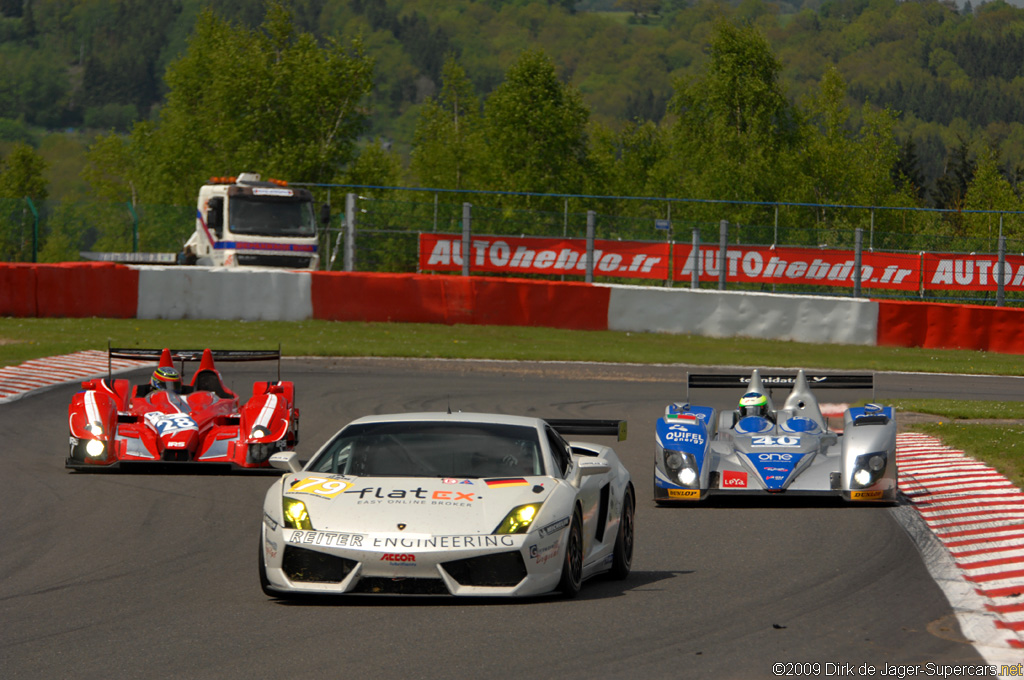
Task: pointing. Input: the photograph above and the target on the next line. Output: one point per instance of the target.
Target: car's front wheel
(572, 565)
(622, 557)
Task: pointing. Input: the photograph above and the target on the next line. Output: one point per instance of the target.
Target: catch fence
(877, 251)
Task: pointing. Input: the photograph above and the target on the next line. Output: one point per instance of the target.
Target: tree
(536, 129)
(736, 135)
(951, 187)
(990, 190)
(265, 100)
(21, 176)
(448, 149)
(906, 172)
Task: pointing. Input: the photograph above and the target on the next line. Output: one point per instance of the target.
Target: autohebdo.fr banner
(743, 264)
(542, 255)
(811, 266)
(971, 272)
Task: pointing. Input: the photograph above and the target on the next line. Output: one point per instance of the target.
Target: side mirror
(286, 460)
(325, 215)
(215, 216)
(586, 468)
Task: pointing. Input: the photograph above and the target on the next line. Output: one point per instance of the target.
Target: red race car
(115, 425)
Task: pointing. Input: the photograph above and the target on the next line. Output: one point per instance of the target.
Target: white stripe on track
(38, 374)
(977, 516)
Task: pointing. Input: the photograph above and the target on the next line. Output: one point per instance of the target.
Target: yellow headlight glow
(295, 514)
(518, 520)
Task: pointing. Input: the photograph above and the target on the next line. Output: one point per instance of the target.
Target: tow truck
(244, 221)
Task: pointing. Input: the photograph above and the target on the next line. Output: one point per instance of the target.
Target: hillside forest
(851, 102)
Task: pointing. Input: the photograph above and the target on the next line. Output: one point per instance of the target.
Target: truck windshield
(274, 217)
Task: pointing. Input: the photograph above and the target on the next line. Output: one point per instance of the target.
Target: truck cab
(244, 221)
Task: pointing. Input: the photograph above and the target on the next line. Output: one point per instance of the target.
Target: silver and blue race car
(449, 503)
(763, 450)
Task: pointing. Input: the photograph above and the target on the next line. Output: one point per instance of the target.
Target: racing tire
(572, 565)
(622, 555)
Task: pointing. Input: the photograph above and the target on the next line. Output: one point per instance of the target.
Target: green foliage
(536, 129)
(448, 147)
(1002, 447)
(22, 174)
(737, 134)
(23, 186)
(268, 100)
(990, 190)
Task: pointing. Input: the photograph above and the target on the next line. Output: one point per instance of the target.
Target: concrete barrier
(218, 293)
(726, 314)
(109, 290)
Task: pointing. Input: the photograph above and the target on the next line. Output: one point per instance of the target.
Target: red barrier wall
(18, 290)
(344, 296)
(948, 326)
(74, 289)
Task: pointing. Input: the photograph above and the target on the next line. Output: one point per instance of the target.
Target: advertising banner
(908, 272)
(543, 255)
(811, 266)
(943, 271)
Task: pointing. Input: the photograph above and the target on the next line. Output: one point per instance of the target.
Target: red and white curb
(978, 516)
(36, 374)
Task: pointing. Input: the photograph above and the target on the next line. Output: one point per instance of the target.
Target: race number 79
(321, 486)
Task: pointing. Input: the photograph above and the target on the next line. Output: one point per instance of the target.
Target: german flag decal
(506, 481)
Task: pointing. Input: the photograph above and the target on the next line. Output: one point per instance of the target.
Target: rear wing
(183, 355)
(588, 426)
(816, 381)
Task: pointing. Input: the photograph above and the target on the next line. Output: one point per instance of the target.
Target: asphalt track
(141, 575)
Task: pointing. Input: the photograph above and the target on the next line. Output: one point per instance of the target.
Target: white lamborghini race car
(443, 503)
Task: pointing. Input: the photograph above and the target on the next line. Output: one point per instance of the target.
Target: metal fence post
(695, 255)
(35, 229)
(591, 216)
(723, 235)
(350, 233)
(858, 244)
(1000, 269)
(467, 213)
(135, 227)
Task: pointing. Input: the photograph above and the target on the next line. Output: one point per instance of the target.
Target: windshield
(423, 449)
(271, 217)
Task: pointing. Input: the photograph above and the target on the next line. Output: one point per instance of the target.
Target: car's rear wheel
(622, 557)
(572, 565)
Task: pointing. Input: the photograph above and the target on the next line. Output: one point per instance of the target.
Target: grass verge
(1000, 446)
(22, 339)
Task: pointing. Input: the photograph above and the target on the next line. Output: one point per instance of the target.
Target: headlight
(681, 465)
(295, 514)
(519, 519)
(94, 448)
(259, 432)
(868, 469)
(862, 477)
(95, 428)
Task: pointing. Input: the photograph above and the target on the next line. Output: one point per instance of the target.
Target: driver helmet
(754, 404)
(165, 378)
